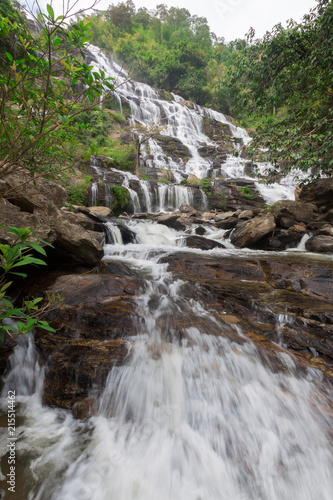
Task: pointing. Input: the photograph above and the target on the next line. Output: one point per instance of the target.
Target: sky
(230, 19)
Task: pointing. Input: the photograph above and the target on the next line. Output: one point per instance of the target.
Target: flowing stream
(191, 417)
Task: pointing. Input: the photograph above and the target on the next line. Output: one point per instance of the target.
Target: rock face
(249, 232)
(319, 192)
(37, 206)
(93, 321)
(298, 290)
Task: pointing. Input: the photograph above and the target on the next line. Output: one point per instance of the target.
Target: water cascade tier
(190, 407)
(193, 141)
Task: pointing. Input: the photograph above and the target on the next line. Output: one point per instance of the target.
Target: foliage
(168, 47)
(78, 194)
(43, 79)
(246, 192)
(206, 185)
(183, 181)
(13, 257)
(120, 198)
(287, 77)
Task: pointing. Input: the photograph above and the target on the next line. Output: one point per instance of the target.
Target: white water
(186, 125)
(191, 416)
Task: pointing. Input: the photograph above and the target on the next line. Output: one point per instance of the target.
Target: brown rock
(319, 192)
(320, 243)
(202, 243)
(295, 210)
(249, 232)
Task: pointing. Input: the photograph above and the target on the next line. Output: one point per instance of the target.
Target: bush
(12, 257)
(78, 194)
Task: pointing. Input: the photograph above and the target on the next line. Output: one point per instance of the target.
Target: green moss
(206, 186)
(120, 198)
(246, 192)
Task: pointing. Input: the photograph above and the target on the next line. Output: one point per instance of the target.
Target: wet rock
(96, 314)
(320, 243)
(260, 289)
(319, 192)
(170, 220)
(250, 232)
(200, 231)
(202, 243)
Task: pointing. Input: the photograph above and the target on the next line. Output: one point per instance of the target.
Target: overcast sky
(228, 18)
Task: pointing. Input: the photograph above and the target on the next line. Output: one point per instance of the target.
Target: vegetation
(167, 48)
(13, 257)
(206, 186)
(246, 192)
(120, 198)
(43, 79)
(286, 78)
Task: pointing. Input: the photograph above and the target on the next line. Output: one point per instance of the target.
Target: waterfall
(189, 415)
(94, 193)
(185, 123)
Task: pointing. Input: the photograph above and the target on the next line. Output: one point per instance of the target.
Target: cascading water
(186, 125)
(188, 416)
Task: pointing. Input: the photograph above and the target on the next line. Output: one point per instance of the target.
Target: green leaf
(50, 11)
(36, 247)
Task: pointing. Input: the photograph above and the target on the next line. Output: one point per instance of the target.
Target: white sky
(230, 19)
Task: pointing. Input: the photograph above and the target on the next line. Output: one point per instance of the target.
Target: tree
(44, 83)
(140, 134)
(287, 78)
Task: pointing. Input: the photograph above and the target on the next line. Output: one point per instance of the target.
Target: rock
(100, 211)
(200, 231)
(193, 180)
(286, 222)
(319, 192)
(38, 211)
(11, 215)
(75, 241)
(228, 223)
(297, 211)
(249, 232)
(170, 220)
(42, 193)
(96, 314)
(326, 229)
(187, 209)
(300, 288)
(320, 243)
(202, 243)
(246, 214)
(223, 216)
(84, 221)
(208, 216)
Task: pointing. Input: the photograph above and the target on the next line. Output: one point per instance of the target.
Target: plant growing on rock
(206, 186)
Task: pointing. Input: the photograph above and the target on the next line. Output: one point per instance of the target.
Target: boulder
(248, 233)
(170, 220)
(37, 206)
(187, 209)
(319, 192)
(222, 216)
(100, 211)
(296, 211)
(193, 180)
(321, 243)
(202, 243)
(228, 223)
